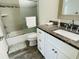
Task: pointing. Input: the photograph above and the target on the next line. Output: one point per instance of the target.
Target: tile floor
(30, 53)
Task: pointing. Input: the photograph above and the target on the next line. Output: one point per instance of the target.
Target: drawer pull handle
(55, 51)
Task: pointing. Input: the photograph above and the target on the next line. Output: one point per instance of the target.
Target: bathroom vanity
(55, 46)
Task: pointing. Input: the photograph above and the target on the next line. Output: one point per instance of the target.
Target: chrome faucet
(71, 25)
(72, 22)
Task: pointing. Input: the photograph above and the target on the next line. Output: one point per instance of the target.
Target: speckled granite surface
(50, 28)
(30, 53)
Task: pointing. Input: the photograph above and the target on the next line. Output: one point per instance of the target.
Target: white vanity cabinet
(53, 48)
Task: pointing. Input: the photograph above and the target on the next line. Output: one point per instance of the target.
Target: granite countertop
(50, 28)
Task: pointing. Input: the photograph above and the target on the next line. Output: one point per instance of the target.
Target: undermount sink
(67, 34)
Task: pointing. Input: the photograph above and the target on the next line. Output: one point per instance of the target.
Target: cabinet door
(50, 51)
(62, 56)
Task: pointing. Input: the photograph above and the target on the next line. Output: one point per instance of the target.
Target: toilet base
(31, 43)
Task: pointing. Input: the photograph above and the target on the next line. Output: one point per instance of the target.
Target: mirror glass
(70, 7)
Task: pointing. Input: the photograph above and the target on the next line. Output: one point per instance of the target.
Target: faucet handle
(66, 26)
(77, 31)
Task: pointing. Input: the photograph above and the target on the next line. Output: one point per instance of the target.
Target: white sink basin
(67, 34)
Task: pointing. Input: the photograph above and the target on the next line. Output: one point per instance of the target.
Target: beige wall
(48, 10)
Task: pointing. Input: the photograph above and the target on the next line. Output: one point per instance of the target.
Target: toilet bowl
(32, 37)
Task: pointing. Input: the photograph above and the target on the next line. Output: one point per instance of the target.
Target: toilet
(30, 23)
(31, 38)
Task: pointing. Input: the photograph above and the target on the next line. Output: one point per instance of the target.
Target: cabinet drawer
(40, 35)
(63, 47)
(40, 32)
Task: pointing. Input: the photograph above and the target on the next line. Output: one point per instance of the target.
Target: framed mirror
(70, 7)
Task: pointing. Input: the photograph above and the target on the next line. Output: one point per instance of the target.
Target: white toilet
(30, 23)
(32, 37)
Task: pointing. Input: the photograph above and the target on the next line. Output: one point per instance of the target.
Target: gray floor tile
(30, 53)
